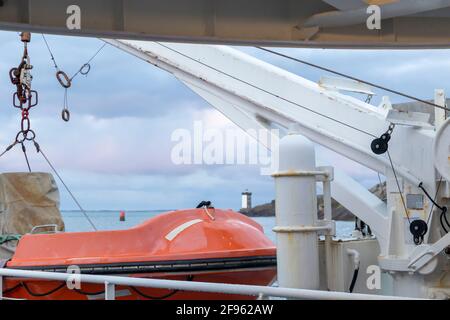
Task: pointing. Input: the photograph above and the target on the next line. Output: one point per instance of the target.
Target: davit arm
(255, 94)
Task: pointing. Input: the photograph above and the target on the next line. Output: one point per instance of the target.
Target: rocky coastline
(339, 212)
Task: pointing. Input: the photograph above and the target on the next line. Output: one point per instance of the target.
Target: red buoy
(122, 216)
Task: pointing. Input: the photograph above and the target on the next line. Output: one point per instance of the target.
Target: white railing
(250, 290)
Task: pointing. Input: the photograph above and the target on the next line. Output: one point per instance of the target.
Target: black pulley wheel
(379, 146)
(418, 229)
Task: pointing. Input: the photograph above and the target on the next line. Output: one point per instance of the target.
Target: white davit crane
(255, 94)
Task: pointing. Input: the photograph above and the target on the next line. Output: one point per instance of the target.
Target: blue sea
(109, 220)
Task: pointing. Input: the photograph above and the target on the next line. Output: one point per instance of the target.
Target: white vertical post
(327, 215)
(1, 287)
(110, 291)
(439, 114)
(296, 210)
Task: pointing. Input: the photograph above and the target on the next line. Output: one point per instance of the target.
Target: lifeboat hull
(205, 245)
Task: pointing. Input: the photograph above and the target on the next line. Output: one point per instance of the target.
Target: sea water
(109, 220)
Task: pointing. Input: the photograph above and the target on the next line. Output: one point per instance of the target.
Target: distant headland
(339, 212)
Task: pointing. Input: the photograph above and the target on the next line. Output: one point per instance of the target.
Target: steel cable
(66, 187)
(354, 78)
(270, 93)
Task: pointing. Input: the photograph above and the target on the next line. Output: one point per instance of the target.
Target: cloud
(115, 151)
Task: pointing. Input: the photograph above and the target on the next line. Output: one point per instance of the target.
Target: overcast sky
(115, 151)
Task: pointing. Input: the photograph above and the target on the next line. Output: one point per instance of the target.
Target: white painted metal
(212, 72)
(355, 256)
(194, 286)
(327, 216)
(345, 187)
(441, 150)
(296, 212)
(439, 114)
(343, 84)
(389, 10)
(255, 94)
(261, 22)
(414, 119)
(343, 267)
(110, 291)
(250, 86)
(425, 254)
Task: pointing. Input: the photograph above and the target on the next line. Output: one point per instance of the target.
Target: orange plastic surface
(229, 235)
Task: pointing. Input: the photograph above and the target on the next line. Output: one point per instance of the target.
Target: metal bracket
(110, 291)
(325, 227)
(428, 253)
(322, 174)
(344, 84)
(413, 119)
(318, 174)
(421, 260)
(44, 226)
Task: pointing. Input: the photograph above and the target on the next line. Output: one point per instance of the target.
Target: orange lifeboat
(208, 245)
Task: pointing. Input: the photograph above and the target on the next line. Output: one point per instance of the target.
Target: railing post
(1, 287)
(110, 291)
(328, 218)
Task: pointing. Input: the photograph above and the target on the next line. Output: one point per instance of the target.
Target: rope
(26, 157)
(355, 79)
(398, 187)
(67, 188)
(89, 293)
(433, 201)
(50, 51)
(87, 63)
(443, 217)
(353, 282)
(79, 291)
(444, 209)
(81, 68)
(34, 294)
(429, 197)
(168, 295)
(12, 288)
(65, 80)
(9, 237)
(24, 94)
(152, 297)
(381, 185)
